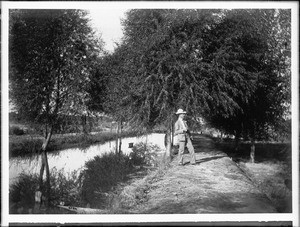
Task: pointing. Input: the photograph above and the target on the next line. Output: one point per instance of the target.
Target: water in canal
(72, 159)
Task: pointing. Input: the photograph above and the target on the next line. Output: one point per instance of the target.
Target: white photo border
(166, 218)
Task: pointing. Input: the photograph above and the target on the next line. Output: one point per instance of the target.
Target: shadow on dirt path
(214, 185)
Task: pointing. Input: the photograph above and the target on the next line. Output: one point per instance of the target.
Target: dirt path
(214, 185)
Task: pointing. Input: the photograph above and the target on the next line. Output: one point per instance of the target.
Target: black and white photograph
(141, 113)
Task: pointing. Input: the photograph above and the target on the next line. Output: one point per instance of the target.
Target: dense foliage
(230, 67)
(262, 89)
(102, 174)
(52, 54)
(144, 154)
(64, 189)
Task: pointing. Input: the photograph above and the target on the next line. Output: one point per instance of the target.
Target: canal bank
(214, 185)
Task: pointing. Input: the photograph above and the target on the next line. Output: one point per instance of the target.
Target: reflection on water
(74, 159)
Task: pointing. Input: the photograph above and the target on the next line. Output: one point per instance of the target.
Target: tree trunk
(111, 126)
(117, 137)
(237, 141)
(252, 151)
(146, 139)
(168, 146)
(84, 125)
(46, 131)
(120, 137)
(42, 172)
(45, 165)
(172, 135)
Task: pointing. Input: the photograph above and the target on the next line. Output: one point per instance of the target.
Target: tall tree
(108, 87)
(51, 56)
(249, 44)
(165, 49)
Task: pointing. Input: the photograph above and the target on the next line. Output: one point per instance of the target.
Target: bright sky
(107, 21)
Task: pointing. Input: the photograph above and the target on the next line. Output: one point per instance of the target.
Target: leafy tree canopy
(228, 66)
(52, 54)
(264, 103)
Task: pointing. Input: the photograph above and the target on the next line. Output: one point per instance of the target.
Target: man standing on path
(184, 139)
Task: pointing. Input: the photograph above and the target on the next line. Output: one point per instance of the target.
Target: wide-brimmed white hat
(180, 111)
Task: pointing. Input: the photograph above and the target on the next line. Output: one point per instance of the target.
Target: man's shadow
(210, 158)
(175, 153)
(202, 160)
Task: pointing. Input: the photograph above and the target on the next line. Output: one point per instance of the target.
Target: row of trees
(230, 67)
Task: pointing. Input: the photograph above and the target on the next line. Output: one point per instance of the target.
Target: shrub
(21, 193)
(144, 154)
(15, 130)
(101, 174)
(24, 146)
(65, 188)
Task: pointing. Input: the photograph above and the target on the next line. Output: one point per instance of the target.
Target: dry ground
(214, 185)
